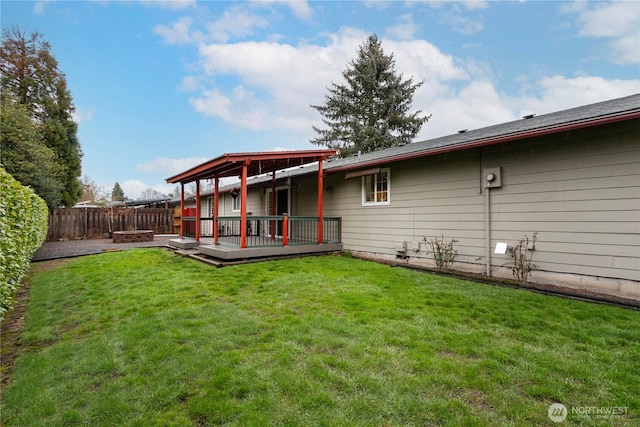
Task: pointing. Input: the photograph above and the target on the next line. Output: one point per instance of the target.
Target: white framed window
(235, 203)
(376, 188)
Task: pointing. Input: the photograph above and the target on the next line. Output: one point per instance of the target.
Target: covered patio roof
(231, 164)
(245, 165)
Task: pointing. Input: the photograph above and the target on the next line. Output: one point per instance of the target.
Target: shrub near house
(23, 228)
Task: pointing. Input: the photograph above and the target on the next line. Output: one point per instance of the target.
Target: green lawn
(146, 338)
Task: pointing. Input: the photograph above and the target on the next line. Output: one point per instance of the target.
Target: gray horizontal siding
(429, 197)
(580, 191)
(255, 204)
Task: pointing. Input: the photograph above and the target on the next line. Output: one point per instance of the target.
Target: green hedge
(23, 229)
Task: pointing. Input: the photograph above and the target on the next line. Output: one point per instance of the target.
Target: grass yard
(146, 338)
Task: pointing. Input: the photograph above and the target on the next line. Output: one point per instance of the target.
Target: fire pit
(132, 236)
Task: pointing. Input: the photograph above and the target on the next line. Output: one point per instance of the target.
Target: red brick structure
(132, 236)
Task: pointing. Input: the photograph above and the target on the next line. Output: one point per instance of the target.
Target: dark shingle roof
(584, 116)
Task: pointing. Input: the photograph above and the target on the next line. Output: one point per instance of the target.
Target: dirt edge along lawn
(13, 322)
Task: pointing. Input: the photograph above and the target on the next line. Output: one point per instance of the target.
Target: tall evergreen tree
(117, 194)
(29, 73)
(371, 111)
(29, 161)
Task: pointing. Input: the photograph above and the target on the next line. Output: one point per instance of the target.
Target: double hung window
(376, 188)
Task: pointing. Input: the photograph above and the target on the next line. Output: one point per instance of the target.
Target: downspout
(487, 215)
(487, 228)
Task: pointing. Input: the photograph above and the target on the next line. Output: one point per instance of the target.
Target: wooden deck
(228, 251)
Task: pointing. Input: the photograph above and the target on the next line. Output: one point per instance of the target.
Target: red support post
(243, 205)
(197, 210)
(320, 199)
(181, 210)
(285, 230)
(216, 194)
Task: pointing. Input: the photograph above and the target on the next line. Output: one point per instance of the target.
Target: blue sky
(161, 86)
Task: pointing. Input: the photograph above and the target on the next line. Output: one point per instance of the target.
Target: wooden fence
(95, 223)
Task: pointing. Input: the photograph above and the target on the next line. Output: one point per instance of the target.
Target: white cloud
(38, 7)
(82, 116)
(405, 29)
(476, 105)
(618, 22)
(169, 166)
(475, 4)
(179, 32)
(190, 84)
(456, 15)
(278, 82)
(134, 188)
(424, 61)
(213, 104)
(438, 4)
(461, 23)
(377, 4)
(170, 4)
(479, 104)
(300, 8)
(235, 22)
(275, 82)
(559, 92)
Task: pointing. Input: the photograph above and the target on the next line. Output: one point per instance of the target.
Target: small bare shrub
(522, 255)
(442, 251)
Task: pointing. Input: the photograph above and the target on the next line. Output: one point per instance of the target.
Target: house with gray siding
(572, 178)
